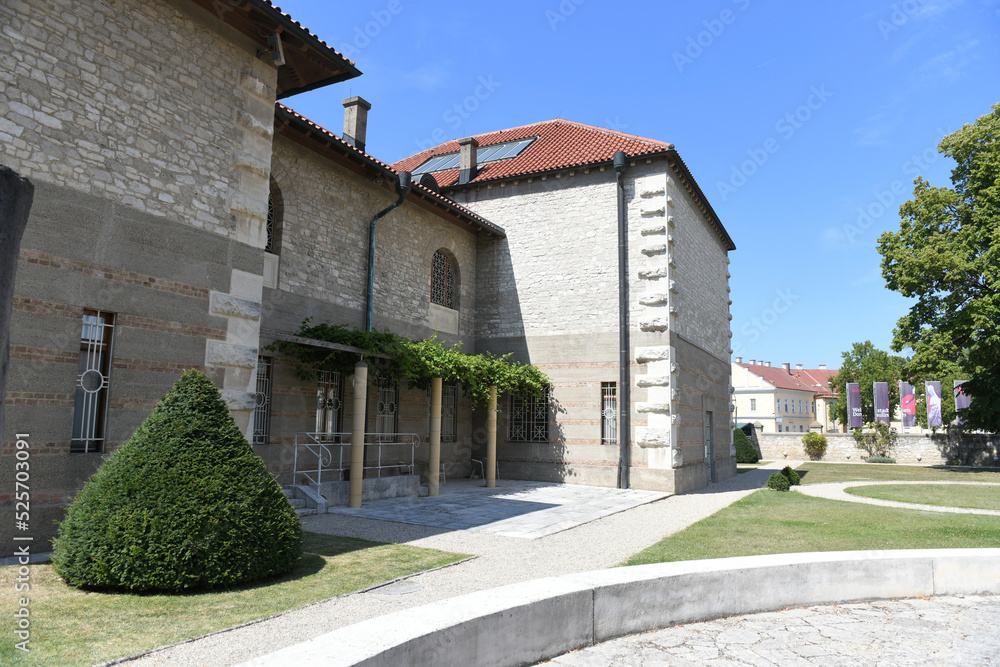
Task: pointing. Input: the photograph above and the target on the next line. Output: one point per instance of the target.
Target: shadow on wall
(967, 449)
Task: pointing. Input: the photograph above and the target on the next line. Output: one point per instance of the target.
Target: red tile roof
(815, 381)
(561, 144)
(288, 115)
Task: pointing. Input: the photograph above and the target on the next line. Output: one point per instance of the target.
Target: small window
(609, 413)
(92, 383)
(753, 405)
(443, 280)
(262, 408)
(329, 404)
(274, 215)
(387, 408)
(709, 435)
(786, 405)
(449, 413)
(528, 418)
(779, 428)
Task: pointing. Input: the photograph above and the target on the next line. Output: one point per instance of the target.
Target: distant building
(785, 399)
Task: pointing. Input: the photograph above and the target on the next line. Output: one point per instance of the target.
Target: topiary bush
(792, 476)
(880, 459)
(778, 482)
(745, 451)
(815, 444)
(184, 504)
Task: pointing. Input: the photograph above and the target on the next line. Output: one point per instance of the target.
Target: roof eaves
(291, 117)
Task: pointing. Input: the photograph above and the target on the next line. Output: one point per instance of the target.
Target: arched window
(443, 271)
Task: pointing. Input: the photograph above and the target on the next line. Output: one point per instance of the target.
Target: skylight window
(484, 154)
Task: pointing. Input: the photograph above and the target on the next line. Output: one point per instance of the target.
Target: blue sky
(804, 123)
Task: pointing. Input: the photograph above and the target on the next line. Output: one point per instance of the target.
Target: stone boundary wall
(924, 449)
(532, 621)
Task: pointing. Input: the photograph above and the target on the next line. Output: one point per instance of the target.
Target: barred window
(329, 402)
(387, 407)
(442, 280)
(92, 383)
(262, 408)
(449, 412)
(528, 418)
(609, 413)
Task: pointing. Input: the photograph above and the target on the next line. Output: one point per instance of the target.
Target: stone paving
(529, 510)
(934, 631)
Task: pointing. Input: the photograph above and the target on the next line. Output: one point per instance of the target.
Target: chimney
(356, 121)
(467, 159)
(767, 363)
(822, 367)
(798, 367)
(739, 360)
(787, 368)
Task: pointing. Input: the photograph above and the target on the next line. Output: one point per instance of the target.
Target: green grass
(747, 467)
(977, 497)
(74, 627)
(816, 473)
(770, 522)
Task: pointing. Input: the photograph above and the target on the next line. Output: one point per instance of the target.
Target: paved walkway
(592, 543)
(836, 491)
(944, 631)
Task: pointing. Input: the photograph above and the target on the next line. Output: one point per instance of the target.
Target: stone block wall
(324, 251)
(922, 449)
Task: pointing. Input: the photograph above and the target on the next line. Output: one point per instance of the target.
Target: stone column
(434, 458)
(358, 434)
(491, 440)
(16, 196)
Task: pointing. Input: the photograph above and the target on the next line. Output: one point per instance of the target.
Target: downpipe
(624, 361)
(402, 187)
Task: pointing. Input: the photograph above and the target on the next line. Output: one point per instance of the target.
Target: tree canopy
(866, 364)
(946, 254)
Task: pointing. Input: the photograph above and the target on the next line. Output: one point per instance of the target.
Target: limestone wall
(926, 449)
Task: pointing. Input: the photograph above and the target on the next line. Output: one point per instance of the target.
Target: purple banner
(933, 390)
(881, 392)
(854, 419)
(908, 404)
(962, 400)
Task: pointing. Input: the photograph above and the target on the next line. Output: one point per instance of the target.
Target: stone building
(185, 218)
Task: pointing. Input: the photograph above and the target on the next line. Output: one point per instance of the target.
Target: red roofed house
(184, 218)
(784, 400)
(549, 292)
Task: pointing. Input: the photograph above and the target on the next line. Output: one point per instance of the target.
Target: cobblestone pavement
(948, 631)
(836, 491)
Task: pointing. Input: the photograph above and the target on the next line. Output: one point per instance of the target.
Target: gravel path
(499, 561)
(835, 491)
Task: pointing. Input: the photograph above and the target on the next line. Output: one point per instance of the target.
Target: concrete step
(297, 503)
(289, 493)
(305, 511)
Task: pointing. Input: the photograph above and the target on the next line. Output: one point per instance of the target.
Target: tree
(946, 254)
(866, 364)
(936, 358)
(184, 504)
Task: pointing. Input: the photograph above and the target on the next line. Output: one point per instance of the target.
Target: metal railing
(317, 454)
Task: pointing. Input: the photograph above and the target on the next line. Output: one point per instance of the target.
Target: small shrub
(815, 444)
(745, 451)
(792, 476)
(877, 438)
(880, 459)
(184, 504)
(778, 482)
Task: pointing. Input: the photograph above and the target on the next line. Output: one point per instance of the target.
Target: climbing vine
(391, 355)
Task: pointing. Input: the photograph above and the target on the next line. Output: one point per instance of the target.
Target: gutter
(624, 358)
(402, 187)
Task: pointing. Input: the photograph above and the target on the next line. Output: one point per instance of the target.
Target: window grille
(387, 407)
(528, 418)
(262, 408)
(442, 280)
(92, 383)
(708, 436)
(753, 405)
(329, 402)
(609, 413)
(269, 247)
(449, 413)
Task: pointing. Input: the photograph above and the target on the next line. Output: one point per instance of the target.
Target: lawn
(771, 522)
(73, 627)
(947, 495)
(816, 473)
(747, 467)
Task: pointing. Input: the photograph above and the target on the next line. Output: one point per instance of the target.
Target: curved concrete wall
(532, 621)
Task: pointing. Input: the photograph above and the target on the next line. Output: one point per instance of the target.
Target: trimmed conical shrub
(184, 504)
(745, 451)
